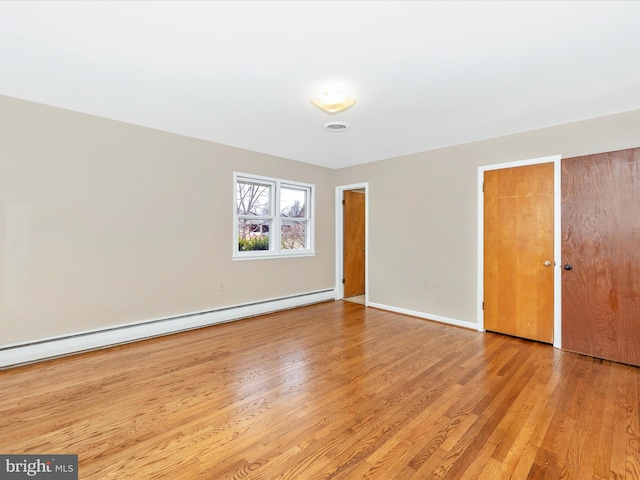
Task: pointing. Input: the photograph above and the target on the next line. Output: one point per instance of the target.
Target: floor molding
(36, 350)
(427, 316)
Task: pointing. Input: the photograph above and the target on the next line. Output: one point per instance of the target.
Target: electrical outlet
(433, 287)
(221, 287)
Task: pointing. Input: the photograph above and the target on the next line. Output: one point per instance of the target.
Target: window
(272, 217)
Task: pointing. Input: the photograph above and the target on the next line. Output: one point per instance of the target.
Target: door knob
(547, 263)
(567, 266)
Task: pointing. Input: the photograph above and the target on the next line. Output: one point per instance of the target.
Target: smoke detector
(336, 126)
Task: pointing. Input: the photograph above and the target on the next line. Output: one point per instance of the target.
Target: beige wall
(423, 211)
(104, 223)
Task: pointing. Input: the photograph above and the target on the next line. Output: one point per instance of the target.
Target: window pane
(293, 235)
(293, 202)
(273, 217)
(253, 234)
(253, 198)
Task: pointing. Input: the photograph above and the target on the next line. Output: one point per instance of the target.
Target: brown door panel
(518, 251)
(601, 244)
(354, 243)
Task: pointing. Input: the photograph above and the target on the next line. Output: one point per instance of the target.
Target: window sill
(265, 256)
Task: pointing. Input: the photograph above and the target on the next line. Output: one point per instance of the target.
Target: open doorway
(351, 243)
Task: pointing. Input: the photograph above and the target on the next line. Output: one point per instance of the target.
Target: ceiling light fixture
(333, 102)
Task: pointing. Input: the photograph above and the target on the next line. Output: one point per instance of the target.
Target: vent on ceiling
(336, 126)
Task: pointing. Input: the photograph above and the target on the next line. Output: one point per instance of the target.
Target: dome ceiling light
(333, 101)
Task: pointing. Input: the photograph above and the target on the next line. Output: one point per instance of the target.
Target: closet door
(518, 251)
(601, 255)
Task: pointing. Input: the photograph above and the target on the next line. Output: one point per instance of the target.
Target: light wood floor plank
(330, 391)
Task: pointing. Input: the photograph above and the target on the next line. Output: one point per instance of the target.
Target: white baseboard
(427, 316)
(27, 352)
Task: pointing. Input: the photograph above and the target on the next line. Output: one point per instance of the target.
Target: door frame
(557, 239)
(339, 289)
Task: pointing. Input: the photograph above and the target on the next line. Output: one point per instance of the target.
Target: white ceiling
(425, 74)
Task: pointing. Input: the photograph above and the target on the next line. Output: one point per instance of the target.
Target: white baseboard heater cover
(41, 349)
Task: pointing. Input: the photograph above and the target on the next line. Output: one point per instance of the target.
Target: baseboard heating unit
(41, 349)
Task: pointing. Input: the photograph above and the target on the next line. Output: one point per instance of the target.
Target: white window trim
(275, 251)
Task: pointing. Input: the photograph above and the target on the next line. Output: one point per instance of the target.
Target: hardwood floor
(330, 391)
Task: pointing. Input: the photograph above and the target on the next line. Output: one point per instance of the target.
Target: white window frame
(275, 249)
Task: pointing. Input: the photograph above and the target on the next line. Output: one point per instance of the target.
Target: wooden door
(354, 243)
(601, 243)
(518, 251)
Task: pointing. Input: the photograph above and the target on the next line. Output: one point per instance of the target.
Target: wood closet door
(601, 243)
(518, 251)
